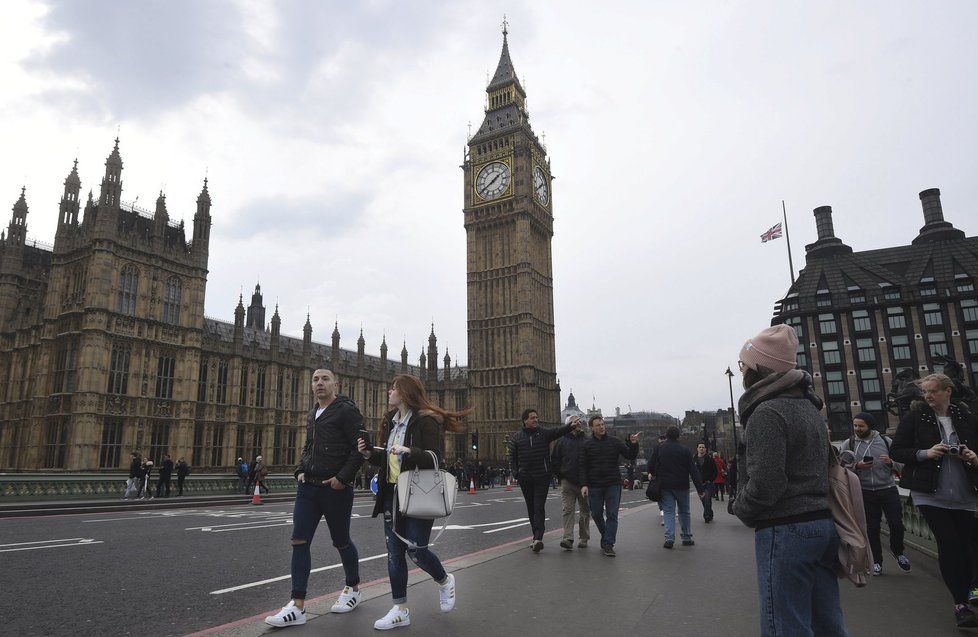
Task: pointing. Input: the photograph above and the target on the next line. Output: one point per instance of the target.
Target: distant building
(571, 409)
(649, 425)
(862, 317)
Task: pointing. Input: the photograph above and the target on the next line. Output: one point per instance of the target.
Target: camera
(954, 450)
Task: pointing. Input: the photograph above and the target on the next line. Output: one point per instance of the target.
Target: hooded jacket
(331, 443)
(424, 433)
(880, 475)
(529, 451)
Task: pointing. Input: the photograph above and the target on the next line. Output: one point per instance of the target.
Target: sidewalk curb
(318, 608)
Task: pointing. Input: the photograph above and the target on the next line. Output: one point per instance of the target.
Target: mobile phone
(363, 433)
(868, 459)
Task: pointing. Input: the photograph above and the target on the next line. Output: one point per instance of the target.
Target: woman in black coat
(413, 428)
(935, 442)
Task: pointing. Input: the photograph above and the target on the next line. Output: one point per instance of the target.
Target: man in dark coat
(163, 484)
(601, 479)
(673, 464)
(183, 470)
(566, 464)
(708, 473)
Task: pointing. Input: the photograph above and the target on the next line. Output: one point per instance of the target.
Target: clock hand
(494, 180)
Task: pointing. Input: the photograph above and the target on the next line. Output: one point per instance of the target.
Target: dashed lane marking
(48, 544)
(284, 577)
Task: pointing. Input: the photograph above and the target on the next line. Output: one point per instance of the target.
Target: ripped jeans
(418, 531)
(312, 504)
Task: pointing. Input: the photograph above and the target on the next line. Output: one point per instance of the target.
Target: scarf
(773, 386)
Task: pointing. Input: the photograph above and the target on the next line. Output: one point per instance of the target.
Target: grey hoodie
(880, 475)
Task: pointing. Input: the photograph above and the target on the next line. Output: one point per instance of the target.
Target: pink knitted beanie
(774, 348)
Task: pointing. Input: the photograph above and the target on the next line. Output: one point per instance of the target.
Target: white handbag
(426, 494)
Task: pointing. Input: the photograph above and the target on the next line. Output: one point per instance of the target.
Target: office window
(972, 338)
(866, 350)
(165, 367)
(890, 293)
(110, 451)
(873, 406)
(172, 293)
(901, 347)
(836, 386)
(222, 382)
(932, 314)
(128, 288)
(870, 381)
(861, 321)
(896, 318)
(964, 283)
(830, 353)
(119, 369)
(856, 294)
(928, 287)
(826, 324)
(823, 299)
(937, 344)
(970, 307)
(795, 322)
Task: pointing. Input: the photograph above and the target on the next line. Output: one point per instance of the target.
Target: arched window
(128, 286)
(171, 301)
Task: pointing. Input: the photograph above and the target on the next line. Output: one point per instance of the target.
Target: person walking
(529, 459)
(720, 480)
(708, 473)
(673, 464)
(413, 428)
(241, 468)
(261, 473)
(783, 490)
(327, 468)
(134, 483)
(183, 470)
(146, 472)
(875, 467)
(601, 478)
(566, 464)
(163, 484)
(936, 443)
(732, 478)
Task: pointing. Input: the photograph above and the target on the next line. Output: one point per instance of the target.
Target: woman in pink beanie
(783, 490)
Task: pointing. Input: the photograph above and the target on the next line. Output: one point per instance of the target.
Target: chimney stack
(930, 199)
(935, 227)
(823, 222)
(828, 244)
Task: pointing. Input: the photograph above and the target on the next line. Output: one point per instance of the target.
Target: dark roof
(505, 72)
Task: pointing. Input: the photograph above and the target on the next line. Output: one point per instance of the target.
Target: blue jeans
(707, 500)
(604, 503)
(419, 532)
(672, 498)
(313, 503)
(798, 589)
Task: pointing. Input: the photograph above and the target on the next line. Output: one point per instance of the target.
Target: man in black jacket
(601, 479)
(135, 475)
(673, 464)
(166, 471)
(183, 470)
(708, 473)
(529, 460)
(566, 464)
(327, 468)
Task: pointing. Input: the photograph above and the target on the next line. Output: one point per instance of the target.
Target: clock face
(493, 180)
(540, 187)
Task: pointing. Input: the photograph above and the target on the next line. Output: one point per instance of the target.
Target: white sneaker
(446, 594)
(290, 615)
(395, 618)
(347, 601)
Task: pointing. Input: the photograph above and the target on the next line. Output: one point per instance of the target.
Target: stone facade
(509, 228)
(862, 317)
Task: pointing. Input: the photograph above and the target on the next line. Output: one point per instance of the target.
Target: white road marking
(284, 577)
(513, 526)
(48, 544)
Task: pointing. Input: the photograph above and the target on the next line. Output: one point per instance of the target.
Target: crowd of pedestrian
(139, 484)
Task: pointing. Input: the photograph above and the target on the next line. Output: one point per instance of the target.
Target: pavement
(711, 587)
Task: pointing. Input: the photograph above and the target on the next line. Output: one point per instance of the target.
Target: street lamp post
(733, 413)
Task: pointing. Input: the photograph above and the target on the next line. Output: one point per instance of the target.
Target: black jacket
(424, 432)
(599, 460)
(135, 467)
(673, 464)
(183, 469)
(918, 430)
(166, 469)
(529, 451)
(708, 468)
(331, 443)
(566, 458)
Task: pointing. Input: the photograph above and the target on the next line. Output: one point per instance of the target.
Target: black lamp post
(733, 413)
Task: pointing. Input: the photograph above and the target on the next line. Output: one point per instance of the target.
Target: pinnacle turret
(17, 230)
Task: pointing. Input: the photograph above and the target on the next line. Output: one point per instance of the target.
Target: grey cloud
(278, 216)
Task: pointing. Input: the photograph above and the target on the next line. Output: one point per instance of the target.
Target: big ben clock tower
(509, 228)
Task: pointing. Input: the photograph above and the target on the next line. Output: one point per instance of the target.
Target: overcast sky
(332, 134)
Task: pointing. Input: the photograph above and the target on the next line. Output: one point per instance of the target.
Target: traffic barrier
(509, 484)
(256, 497)
(471, 486)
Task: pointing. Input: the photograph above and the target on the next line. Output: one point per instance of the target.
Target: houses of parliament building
(105, 349)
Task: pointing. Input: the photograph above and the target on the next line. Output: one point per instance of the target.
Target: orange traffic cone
(471, 486)
(256, 498)
(509, 484)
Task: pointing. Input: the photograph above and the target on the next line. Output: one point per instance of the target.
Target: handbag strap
(395, 508)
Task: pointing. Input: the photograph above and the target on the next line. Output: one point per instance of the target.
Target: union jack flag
(773, 233)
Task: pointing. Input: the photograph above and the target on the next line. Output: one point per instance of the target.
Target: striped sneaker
(290, 615)
(347, 601)
(395, 618)
(446, 594)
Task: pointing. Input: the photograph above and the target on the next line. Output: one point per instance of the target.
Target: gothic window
(202, 381)
(278, 450)
(172, 292)
(55, 443)
(159, 441)
(65, 366)
(110, 450)
(290, 444)
(295, 391)
(217, 445)
(198, 449)
(119, 369)
(164, 375)
(128, 286)
(239, 443)
(256, 442)
(279, 388)
(243, 397)
(222, 382)
(260, 388)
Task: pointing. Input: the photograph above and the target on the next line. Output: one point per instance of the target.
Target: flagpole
(791, 266)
